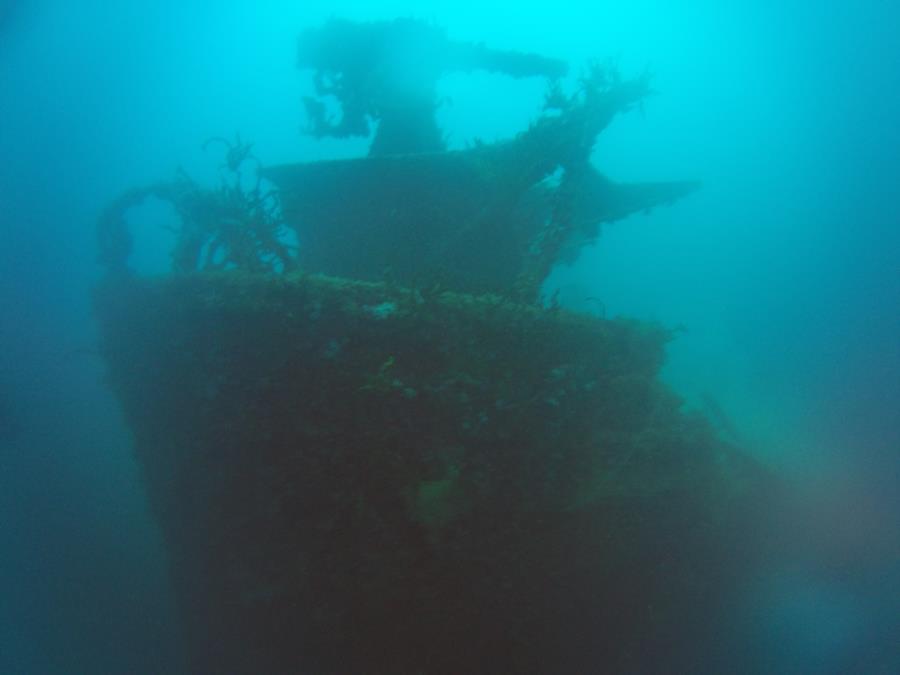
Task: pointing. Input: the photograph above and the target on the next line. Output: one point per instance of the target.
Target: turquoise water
(783, 271)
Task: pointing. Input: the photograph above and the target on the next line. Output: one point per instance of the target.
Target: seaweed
(233, 226)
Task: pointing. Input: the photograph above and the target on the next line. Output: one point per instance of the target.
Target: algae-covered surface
(358, 477)
(414, 466)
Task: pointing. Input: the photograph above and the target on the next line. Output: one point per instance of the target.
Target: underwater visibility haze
(382, 337)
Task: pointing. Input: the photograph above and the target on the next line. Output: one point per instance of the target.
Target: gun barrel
(471, 56)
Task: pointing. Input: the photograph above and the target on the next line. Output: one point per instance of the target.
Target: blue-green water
(783, 271)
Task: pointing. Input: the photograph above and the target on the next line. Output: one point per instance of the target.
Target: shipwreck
(371, 446)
